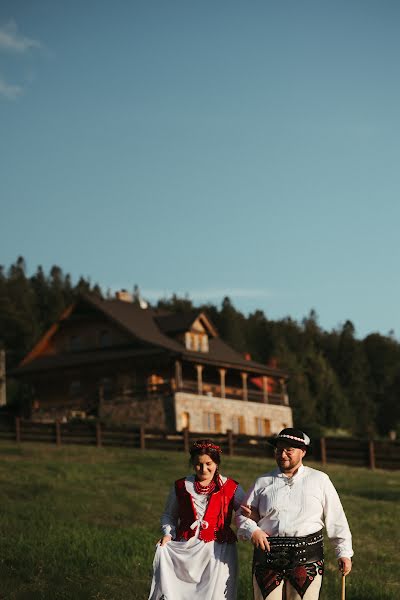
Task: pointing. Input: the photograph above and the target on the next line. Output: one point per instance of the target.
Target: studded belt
(288, 552)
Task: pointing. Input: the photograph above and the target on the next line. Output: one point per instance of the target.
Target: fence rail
(382, 454)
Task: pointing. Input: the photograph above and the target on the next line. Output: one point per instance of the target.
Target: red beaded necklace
(204, 489)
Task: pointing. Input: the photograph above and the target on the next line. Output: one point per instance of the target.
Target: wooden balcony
(191, 387)
(232, 393)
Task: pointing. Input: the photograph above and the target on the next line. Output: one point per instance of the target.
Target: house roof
(75, 359)
(151, 327)
(137, 321)
(173, 323)
(176, 322)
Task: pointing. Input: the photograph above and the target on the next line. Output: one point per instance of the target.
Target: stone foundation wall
(228, 410)
(154, 413)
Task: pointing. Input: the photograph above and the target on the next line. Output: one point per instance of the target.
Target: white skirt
(194, 569)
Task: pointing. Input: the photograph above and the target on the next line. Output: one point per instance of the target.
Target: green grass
(81, 523)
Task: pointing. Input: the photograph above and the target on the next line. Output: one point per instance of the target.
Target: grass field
(81, 523)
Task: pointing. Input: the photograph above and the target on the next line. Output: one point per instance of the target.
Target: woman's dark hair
(206, 446)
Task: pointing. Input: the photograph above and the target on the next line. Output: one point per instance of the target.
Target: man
(289, 507)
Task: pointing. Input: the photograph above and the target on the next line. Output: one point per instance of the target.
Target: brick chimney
(124, 296)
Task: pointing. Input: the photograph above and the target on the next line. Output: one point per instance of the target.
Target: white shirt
(169, 518)
(297, 506)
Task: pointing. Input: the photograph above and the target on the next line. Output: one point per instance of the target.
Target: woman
(197, 557)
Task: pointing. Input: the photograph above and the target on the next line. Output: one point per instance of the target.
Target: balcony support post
(222, 373)
(284, 395)
(244, 386)
(265, 389)
(199, 369)
(178, 375)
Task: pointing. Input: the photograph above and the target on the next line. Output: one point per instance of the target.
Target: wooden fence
(382, 454)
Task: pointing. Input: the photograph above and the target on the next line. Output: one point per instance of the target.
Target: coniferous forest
(337, 381)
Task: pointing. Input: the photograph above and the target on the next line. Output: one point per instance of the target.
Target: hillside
(82, 523)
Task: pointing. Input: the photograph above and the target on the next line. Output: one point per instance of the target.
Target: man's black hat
(293, 437)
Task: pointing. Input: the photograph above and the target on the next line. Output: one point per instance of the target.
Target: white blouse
(169, 518)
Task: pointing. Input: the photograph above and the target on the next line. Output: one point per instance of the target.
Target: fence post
(186, 439)
(17, 430)
(371, 452)
(98, 435)
(142, 438)
(230, 442)
(58, 433)
(322, 443)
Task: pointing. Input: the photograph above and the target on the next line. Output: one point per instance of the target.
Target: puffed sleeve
(169, 518)
(337, 527)
(238, 498)
(245, 525)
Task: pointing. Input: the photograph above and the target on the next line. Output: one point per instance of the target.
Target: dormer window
(204, 343)
(197, 342)
(188, 340)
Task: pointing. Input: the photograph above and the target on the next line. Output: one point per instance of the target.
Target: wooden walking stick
(343, 587)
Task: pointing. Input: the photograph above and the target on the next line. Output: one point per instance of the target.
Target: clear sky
(213, 148)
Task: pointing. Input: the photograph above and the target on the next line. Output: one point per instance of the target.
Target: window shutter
(217, 422)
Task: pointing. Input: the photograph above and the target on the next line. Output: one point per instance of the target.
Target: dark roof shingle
(151, 327)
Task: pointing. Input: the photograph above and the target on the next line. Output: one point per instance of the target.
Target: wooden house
(116, 361)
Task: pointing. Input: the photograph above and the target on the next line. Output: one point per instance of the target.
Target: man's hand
(164, 540)
(344, 565)
(260, 540)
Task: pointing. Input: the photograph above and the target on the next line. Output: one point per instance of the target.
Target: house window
(185, 420)
(212, 422)
(154, 382)
(263, 426)
(204, 343)
(188, 340)
(195, 342)
(75, 388)
(105, 338)
(198, 342)
(238, 424)
(106, 388)
(75, 343)
(126, 385)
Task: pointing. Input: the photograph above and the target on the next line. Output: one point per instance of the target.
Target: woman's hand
(250, 512)
(164, 540)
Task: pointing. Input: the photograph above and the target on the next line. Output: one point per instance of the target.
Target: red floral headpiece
(209, 446)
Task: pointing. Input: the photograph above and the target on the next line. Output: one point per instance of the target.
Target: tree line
(337, 381)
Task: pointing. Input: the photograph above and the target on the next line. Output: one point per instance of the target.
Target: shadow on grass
(10, 451)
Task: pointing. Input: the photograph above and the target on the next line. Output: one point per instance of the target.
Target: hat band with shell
(293, 437)
(305, 440)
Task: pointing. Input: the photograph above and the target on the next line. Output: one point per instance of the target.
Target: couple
(283, 515)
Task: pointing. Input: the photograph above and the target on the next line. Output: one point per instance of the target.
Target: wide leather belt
(286, 553)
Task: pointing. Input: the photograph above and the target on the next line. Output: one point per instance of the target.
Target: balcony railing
(191, 387)
(232, 393)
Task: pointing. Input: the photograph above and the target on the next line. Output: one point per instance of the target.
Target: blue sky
(247, 149)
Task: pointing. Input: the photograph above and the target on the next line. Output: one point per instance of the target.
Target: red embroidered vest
(217, 517)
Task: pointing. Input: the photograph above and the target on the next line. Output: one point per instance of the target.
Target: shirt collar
(299, 472)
